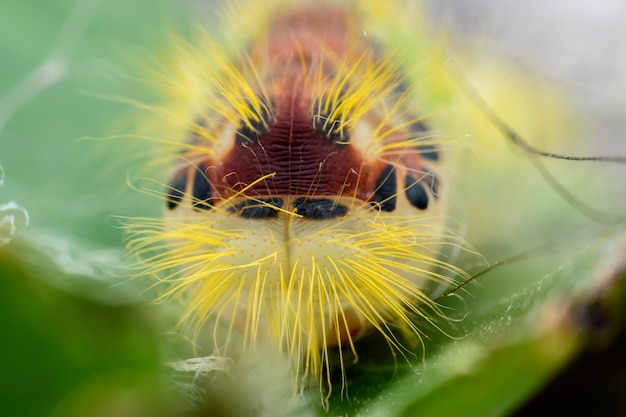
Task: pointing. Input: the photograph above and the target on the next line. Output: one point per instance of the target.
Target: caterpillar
(307, 203)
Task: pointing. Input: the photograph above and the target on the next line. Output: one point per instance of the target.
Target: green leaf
(57, 346)
(503, 354)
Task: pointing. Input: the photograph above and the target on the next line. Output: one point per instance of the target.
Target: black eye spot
(415, 193)
(250, 131)
(176, 189)
(386, 189)
(262, 209)
(201, 191)
(319, 208)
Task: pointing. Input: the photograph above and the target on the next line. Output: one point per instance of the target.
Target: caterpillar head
(306, 207)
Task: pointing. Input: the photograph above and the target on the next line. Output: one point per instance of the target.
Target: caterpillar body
(307, 204)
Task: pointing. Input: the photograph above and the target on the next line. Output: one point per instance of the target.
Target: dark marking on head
(427, 151)
(416, 193)
(249, 133)
(334, 130)
(386, 189)
(321, 208)
(418, 127)
(176, 189)
(201, 191)
(433, 183)
(402, 85)
(262, 209)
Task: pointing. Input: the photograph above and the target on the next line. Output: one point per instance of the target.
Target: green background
(78, 340)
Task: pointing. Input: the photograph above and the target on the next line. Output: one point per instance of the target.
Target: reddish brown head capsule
(296, 213)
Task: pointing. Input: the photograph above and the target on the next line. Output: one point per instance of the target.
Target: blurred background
(77, 339)
(578, 45)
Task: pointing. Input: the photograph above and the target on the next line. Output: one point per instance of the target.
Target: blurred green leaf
(503, 354)
(55, 342)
